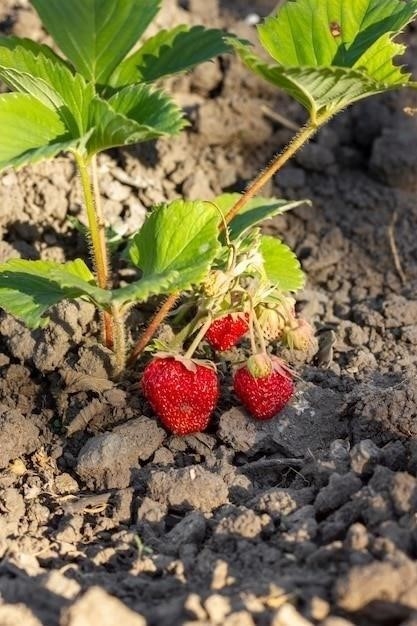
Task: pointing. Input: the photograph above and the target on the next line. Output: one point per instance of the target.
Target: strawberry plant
(98, 96)
(209, 256)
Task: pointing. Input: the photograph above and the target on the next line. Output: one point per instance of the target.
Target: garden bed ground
(308, 519)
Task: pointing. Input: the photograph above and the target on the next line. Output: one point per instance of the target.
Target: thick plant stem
(97, 234)
(119, 339)
(276, 164)
(153, 326)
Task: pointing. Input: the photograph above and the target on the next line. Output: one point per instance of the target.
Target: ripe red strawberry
(226, 331)
(182, 392)
(264, 386)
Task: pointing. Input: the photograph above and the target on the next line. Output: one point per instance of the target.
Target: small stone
(217, 607)
(69, 529)
(361, 585)
(97, 606)
(188, 488)
(403, 492)
(59, 584)
(394, 455)
(13, 614)
(66, 484)
(191, 529)
(193, 605)
(280, 501)
(337, 492)
(151, 511)
(357, 537)
(106, 461)
(364, 456)
(318, 608)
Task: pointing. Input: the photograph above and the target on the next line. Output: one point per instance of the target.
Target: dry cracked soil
(309, 519)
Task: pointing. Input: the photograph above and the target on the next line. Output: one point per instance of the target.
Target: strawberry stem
(89, 183)
(153, 326)
(193, 347)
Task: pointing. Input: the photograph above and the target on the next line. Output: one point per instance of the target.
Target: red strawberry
(182, 392)
(226, 331)
(264, 386)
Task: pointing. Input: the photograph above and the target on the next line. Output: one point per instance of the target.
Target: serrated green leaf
(96, 35)
(34, 69)
(180, 238)
(281, 264)
(254, 212)
(29, 288)
(330, 53)
(30, 131)
(149, 107)
(170, 52)
(319, 33)
(321, 91)
(136, 113)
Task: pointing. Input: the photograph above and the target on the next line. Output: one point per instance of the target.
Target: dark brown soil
(308, 519)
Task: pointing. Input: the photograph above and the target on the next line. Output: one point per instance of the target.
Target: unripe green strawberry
(299, 335)
(263, 385)
(182, 392)
(226, 331)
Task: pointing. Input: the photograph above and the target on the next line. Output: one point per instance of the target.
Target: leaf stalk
(89, 183)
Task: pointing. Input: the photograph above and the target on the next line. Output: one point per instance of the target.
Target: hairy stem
(152, 327)
(97, 234)
(276, 164)
(255, 186)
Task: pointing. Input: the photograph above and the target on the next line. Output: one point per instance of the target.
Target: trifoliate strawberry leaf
(179, 238)
(134, 114)
(281, 264)
(96, 35)
(29, 288)
(254, 212)
(170, 52)
(35, 69)
(30, 131)
(330, 53)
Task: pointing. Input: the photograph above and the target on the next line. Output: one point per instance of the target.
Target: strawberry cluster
(184, 392)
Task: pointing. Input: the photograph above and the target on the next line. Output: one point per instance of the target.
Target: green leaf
(177, 244)
(330, 53)
(134, 114)
(35, 69)
(29, 288)
(321, 91)
(96, 35)
(142, 290)
(149, 107)
(254, 212)
(318, 33)
(170, 52)
(30, 131)
(281, 264)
